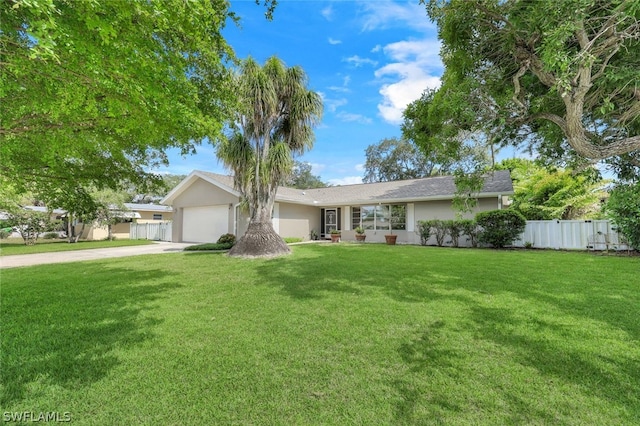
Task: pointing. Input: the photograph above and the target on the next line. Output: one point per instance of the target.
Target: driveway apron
(91, 254)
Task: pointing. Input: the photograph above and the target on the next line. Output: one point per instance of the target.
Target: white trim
(190, 180)
(346, 218)
(411, 217)
(276, 218)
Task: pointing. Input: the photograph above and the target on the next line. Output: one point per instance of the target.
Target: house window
(157, 216)
(368, 217)
(399, 217)
(355, 217)
(380, 217)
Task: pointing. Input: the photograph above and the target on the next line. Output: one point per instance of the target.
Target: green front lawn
(333, 334)
(16, 245)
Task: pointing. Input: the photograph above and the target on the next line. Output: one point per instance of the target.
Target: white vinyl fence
(572, 235)
(150, 231)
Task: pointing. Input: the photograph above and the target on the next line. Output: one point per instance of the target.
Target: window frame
(379, 217)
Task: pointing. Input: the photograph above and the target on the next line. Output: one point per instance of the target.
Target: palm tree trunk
(260, 240)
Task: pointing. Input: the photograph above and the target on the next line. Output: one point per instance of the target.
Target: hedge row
(496, 228)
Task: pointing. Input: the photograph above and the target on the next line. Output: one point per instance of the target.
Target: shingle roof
(147, 207)
(432, 188)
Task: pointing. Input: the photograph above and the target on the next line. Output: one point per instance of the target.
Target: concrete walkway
(91, 254)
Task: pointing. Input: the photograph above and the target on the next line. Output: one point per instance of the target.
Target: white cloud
(354, 118)
(359, 167)
(344, 88)
(415, 64)
(340, 89)
(327, 12)
(385, 14)
(376, 48)
(347, 180)
(333, 104)
(334, 41)
(316, 168)
(357, 61)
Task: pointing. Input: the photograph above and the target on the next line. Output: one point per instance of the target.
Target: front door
(330, 221)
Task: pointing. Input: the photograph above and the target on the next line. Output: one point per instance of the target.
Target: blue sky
(367, 60)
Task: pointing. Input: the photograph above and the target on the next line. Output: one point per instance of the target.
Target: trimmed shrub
(424, 230)
(290, 240)
(209, 247)
(470, 229)
(500, 228)
(4, 233)
(439, 230)
(50, 236)
(227, 239)
(454, 229)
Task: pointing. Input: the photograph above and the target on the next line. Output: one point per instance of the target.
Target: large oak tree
(93, 93)
(559, 77)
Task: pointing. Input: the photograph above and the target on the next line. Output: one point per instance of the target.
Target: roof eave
(386, 200)
(189, 180)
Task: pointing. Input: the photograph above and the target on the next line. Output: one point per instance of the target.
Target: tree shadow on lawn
(557, 362)
(528, 384)
(60, 328)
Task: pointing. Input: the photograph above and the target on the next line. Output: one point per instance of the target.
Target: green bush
(209, 247)
(50, 236)
(500, 228)
(4, 233)
(439, 230)
(424, 229)
(454, 229)
(623, 208)
(290, 240)
(227, 239)
(470, 229)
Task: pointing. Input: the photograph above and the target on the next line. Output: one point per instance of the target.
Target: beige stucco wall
(200, 193)
(444, 210)
(425, 210)
(297, 221)
(147, 216)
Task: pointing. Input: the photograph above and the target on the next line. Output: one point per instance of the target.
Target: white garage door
(204, 224)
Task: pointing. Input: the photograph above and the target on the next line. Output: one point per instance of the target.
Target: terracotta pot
(335, 238)
(360, 237)
(391, 239)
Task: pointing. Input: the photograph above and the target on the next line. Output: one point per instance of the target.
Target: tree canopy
(542, 194)
(94, 92)
(397, 159)
(302, 177)
(560, 78)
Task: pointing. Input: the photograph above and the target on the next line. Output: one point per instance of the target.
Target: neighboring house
(134, 213)
(206, 205)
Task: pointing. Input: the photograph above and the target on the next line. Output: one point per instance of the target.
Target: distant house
(133, 213)
(206, 205)
(138, 213)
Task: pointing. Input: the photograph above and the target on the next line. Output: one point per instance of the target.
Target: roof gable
(221, 181)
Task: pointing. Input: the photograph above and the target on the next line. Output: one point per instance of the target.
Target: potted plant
(360, 235)
(335, 235)
(391, 238)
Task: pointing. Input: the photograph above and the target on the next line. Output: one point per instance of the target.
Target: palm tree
(274, 122)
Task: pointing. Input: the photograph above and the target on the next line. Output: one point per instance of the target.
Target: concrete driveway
(91, 254)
